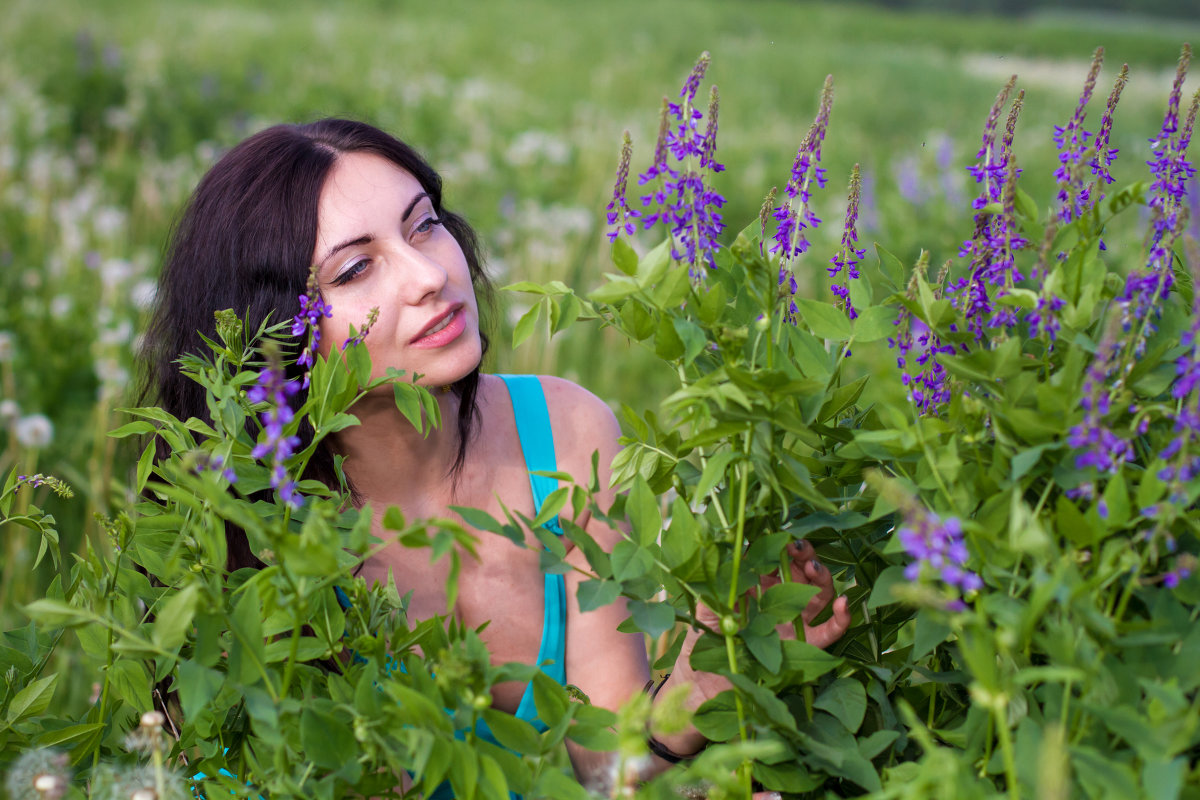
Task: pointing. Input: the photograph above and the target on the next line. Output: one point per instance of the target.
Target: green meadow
(110, 112)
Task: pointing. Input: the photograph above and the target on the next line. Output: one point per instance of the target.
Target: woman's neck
(390, 462)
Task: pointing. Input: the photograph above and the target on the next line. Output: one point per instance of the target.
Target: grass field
(109, 113)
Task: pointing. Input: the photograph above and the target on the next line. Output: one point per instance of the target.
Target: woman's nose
(418, 275)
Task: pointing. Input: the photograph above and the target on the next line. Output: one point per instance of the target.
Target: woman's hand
(805, 568)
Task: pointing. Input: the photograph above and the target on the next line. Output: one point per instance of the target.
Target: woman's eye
(427, 224)
(351, 272)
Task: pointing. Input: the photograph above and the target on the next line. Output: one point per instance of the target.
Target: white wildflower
(9, 411)
(114, 271)
(118, 334)
(39, 775)
(143, 294)
(35, 431)
(60, 306)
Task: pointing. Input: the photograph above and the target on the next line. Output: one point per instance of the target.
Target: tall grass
(109, 114)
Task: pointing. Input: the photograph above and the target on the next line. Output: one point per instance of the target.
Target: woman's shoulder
(581, 423)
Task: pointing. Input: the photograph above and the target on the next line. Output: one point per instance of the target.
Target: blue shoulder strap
(537, 439)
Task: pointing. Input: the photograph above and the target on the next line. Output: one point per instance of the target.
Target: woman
(367, 211)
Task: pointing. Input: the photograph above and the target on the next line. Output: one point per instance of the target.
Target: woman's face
(380, 243)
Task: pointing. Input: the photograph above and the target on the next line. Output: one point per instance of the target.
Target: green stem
(1006, 749)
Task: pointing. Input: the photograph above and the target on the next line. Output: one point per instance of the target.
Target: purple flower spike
(680, 197)
(274, 389)
(620, 215)
(312, 308)
(1072, 142)
(1104, 153)
(1141, 302)
(846, 260)
(1100, 446)
(993, 270)
(938, 549)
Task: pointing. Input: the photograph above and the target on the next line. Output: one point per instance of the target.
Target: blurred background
(110, 112)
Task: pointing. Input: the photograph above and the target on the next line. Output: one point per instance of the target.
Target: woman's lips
(443, 331)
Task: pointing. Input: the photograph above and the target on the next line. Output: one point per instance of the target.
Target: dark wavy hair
(245, 241)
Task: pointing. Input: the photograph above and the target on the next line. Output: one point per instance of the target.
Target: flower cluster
(274, 389)
(682, 199)
(846, 260)
(357, 339)
(1103, 153)
(1141, 302)
(925, 379)
(56, 485)
(794, 215)
(938, 548)
(620, 215)
(1072, 143)
(39, 774)
(206, 462)
(993, 269)
(1101, 446)
(312, 308)
(1186, 389)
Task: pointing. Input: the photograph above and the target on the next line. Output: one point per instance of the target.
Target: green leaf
(765, 647)
(891, 268)
(824, 320)
(132, 683)
(198, 685)
(653, 619)
(71, 733)
(515, 734)
(56, 613)
(327, 740)
(137, 428)
(785, 601)
(806, 662)
(617, 289)
(714, 473)
(408, 401)
(881, 592)
(32, 700)
(875, 323)
(644, 513)
(846, 699)
(174, 619)
(667, 344)
(525, 325)
(624, 257)
(654, 265)
(553, 504)
(478, 518)
(630, 561)
(930, 632)
(595, 594)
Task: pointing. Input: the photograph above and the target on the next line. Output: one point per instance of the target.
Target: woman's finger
(831, 629)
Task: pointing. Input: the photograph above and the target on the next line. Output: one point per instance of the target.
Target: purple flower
(993, 270)
(1103, 153)
(789, 238)
(620, 215)
(274, 389)
(312, 308)
(681, 198)
(937, 547)
(1101, 447)
(925, 379)
(1141, 302)
(846, 260)
(1072, 143)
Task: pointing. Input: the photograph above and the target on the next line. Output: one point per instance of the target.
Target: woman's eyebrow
(408, 211)
(368, 239)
